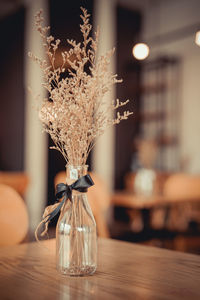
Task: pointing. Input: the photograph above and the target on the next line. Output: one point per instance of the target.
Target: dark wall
(12, 91)
(128, 28)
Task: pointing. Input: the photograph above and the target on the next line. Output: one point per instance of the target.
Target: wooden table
(131, 200)
(125, 271)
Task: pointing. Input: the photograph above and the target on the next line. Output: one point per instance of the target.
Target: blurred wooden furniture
(184, 188)
(172, 189)
(99, 199)
(17, 180)
(131, 200)
(125, 271)
(161, 178)
(125, 199)
(13, 216)
(174, 205)
(138, 215)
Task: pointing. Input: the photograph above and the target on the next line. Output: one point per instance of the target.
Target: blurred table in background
(131, 200)
(170, 222)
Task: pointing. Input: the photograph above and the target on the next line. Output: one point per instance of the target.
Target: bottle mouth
(76, 166)
(74, 172)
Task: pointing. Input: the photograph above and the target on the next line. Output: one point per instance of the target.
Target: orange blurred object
(182, 186)
(13, 216)
(17, 180)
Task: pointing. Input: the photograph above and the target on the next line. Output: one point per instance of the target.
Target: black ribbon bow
(65, 191)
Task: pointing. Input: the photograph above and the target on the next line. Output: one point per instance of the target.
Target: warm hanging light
(140, 51)
(197, 38)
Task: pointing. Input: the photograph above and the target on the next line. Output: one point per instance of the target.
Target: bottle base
(77, 271)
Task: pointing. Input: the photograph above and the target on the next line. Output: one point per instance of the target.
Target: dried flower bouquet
(76, 112)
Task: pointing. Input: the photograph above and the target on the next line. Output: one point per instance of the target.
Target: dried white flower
(76, 114)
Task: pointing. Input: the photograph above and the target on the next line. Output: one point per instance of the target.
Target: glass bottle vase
(76, 236)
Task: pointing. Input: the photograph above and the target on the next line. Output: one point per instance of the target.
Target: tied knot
(64, 191)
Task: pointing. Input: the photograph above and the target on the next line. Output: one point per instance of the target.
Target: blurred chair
(13, 217)
(182, 186)
(17, 180)
(186, 188)
(99, 199)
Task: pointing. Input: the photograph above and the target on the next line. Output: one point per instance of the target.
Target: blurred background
(147, 169)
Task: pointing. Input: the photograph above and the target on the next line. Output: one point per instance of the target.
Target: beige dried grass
(76, 112)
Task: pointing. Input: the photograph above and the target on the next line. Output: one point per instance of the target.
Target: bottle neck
(73, 172)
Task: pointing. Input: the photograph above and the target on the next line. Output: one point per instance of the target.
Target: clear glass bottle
(76, 235)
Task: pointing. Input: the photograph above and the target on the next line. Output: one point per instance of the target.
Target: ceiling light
(140, 51)
(197, 38)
